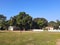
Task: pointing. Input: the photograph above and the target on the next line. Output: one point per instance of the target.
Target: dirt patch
(58, 42)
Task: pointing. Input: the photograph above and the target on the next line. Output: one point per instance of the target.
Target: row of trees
(25, 21)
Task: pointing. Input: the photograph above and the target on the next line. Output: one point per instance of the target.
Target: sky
(49, 9)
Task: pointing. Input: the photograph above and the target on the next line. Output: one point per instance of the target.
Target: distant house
(12, 28)
(50, 28)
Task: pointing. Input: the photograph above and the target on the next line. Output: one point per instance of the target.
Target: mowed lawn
(29, 38)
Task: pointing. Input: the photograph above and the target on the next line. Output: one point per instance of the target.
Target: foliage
(12, 21)
(53, 24)
(41, 22)
(25, 22)
(2, 21)
(58, 22)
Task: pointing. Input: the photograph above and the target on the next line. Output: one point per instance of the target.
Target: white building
(49, 28)
(10, 28)
(13, 28)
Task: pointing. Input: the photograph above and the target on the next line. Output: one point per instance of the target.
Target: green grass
(29, 38)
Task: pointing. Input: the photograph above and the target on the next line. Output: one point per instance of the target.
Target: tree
(12, 21)
(24, 21)
(2, 21)
(40, 22)
(58, 23)
(53, 24)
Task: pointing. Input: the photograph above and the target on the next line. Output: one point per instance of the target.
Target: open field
(29, 38)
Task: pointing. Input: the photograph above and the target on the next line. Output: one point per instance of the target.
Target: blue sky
(49, 9)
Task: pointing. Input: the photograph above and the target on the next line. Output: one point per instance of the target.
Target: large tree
(24, 21)
(40, 22)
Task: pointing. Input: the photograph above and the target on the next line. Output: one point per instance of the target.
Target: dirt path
(58, 42)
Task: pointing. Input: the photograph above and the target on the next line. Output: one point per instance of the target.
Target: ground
(29, 38)
(58, 42)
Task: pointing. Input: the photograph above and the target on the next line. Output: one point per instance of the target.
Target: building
(50, 28)
(12, 28)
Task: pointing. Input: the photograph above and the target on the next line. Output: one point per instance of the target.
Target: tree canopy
(2, 21)
(25, 22)
(41, 22)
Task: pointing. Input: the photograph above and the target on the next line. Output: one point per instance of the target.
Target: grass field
(29, 38)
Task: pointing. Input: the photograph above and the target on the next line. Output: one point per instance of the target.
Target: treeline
(25, 22)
